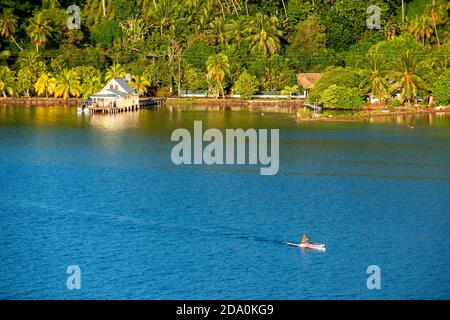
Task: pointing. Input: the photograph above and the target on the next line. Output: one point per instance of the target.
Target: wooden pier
(151, 102)
(127, 107)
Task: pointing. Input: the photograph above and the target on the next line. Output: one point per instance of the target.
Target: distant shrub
(197, 55)
(342, 97)
(194, 78)
(246, 85)
(440, 89)
(288, 91)
(394, 103)
(106, 33)
(348, 77)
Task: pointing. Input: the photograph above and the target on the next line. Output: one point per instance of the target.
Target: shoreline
(39, 101)
(367, 114)
(291, 107)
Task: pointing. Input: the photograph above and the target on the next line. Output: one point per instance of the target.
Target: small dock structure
(118, 96)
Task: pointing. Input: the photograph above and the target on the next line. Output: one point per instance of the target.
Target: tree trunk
(284, 8)
(14, 40)
(223, 91)
(403, 10)
(435, 30)
(104, 7)
(179, 76)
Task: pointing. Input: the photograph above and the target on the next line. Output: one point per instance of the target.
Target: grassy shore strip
(39, 101)
(231, 102)
(372, 113)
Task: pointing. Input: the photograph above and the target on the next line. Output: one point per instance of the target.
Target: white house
(116, 93)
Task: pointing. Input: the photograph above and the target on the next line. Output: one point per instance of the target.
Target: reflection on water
(412, 119)
(112, 122)
(173, 116)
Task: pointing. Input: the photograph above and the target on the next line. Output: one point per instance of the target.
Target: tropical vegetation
(228, 46)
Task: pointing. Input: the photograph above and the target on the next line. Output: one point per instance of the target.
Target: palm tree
(134, 29)
(38, 30)
(140, 83)
(7, 81)
(405, 77)
(164, 14)
(264, 35)
(218, 67)
(91, 85)
(437, 11)
(421, 28)
(236, 30)
(115, 71)
(374, 82)
(8, 26)
(217, 31)
(45, 85)
(32, 62)
(67, 84)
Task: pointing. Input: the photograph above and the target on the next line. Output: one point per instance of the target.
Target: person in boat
(305, 239)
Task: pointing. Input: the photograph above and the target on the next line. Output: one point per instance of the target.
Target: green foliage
(125, 9)
(272, 39)
(197, 55)
(394, 103)
(342, 97)
(246, 85)
(392, 49)
(308, 35)
(441, 89)
(337, 76)
(274, 73)
(6, 81)
(290, 90)
(194, 78)
(106, 33)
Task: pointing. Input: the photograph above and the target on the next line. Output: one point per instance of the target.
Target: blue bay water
(100, 191)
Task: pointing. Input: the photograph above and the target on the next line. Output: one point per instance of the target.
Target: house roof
(308, 80)
(116, 92)
(125, 86)
(104, 95)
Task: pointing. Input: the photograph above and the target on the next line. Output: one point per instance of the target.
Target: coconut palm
(115, 71)
(134, 29)
(421, 28)
(31, 61)
(164, 14)
(91, 85)
(45, 85)
(405, 77)
(8, 26)
(31, 66)
(38, 30)
(437, 11)
(217, 31)
(7, 80)
(140, 83)
(236, 30)
(218, 67)
(264, 36)
(374, 82)
(67, 84)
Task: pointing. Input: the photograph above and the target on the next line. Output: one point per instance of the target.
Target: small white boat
(314, 246)
(82, 109)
